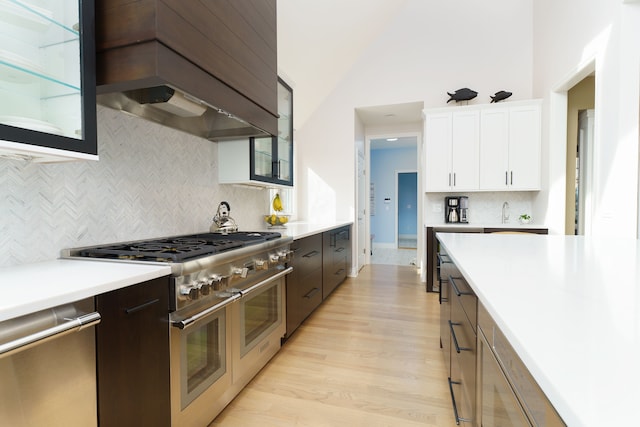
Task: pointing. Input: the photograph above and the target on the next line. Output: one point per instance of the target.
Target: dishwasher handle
(71, 325)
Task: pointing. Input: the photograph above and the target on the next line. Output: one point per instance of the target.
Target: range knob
(205, 286)
(261, 264)
(285, 255)
(191, 292)
(274, 259)
(216, 282)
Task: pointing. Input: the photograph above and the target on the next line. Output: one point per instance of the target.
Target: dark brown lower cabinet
(336, 252)
(132, 343)
(304, 284)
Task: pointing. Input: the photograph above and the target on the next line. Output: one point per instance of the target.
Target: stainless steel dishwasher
(48, 367)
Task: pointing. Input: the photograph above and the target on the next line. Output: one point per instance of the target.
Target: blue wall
(384, 164)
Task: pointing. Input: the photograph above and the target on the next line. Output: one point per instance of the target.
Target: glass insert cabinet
(47, 80)
(272, 157)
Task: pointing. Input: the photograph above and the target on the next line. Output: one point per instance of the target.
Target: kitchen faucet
(505, 212)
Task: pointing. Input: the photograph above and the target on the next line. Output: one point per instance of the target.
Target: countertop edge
(52, 283)
(472, 226)
(300, 230)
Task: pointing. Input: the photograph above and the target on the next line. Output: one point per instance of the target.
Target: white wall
(568, 35)
(429, 49)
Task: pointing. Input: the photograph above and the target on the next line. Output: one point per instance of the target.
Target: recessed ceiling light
(392, 139)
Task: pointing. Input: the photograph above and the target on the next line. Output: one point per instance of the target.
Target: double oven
(227, 312)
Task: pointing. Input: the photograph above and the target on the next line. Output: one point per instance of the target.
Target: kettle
(453, 215)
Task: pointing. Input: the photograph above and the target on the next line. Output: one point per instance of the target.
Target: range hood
(151, 81)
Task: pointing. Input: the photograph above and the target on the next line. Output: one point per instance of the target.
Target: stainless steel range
(227, 311)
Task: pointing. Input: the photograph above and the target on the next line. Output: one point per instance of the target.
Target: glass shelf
(40, 66)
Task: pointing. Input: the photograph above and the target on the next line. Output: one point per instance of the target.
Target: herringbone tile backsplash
(151, 181)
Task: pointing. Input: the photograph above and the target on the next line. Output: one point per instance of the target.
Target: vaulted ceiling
(320, 40)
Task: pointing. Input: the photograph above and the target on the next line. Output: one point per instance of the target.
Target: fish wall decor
(500, 95)
(463, 94)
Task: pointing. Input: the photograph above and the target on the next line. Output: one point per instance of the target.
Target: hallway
(368, 356)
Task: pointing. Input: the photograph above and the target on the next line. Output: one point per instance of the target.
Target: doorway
(394, 209)
(579, 166)
(407, 208)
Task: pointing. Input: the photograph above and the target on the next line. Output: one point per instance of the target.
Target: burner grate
(179, 248)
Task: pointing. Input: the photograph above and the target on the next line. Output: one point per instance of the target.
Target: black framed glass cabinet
(47, 80)
(272, 157)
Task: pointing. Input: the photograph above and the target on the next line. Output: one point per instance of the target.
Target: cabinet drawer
(304, 294)
(310, 294)
(307, 255)
(463, 361)
(461, 291)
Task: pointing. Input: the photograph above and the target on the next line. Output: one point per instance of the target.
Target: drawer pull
(141, 306)
(311, 293)
(443, 259)
(310, 254)
(455, 339)
(456, 289)
(453, 402)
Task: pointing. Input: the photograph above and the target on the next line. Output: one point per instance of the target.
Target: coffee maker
(451, 209)
(456, 209)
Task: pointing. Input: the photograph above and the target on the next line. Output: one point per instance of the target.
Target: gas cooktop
(178, 248)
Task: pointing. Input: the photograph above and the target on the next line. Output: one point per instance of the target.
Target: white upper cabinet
(510, 147)
(494, 147)
(452, 149)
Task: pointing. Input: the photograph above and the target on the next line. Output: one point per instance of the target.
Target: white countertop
(32, 287)
(298, 230)
(570, 307)
(471, 226)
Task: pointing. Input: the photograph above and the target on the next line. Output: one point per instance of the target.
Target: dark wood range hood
(207, 67)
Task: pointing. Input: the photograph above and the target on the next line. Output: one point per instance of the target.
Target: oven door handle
(266, 281)
(185, 323)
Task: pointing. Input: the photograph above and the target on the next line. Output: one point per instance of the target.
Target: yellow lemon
(283, 220)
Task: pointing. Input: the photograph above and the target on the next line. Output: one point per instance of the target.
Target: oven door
(258, 326)
(200, 371)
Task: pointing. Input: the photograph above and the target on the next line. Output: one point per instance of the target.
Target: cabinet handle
(453, 402)
(511, 177)
(141, 306)
(506, 177)
(443, 259)
(311, 293)
(454, 179)
(455, 339)
(310, 254)
(456, 289)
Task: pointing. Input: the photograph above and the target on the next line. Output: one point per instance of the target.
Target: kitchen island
(570, 307)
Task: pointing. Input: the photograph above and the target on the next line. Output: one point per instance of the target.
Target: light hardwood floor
(368, 356)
